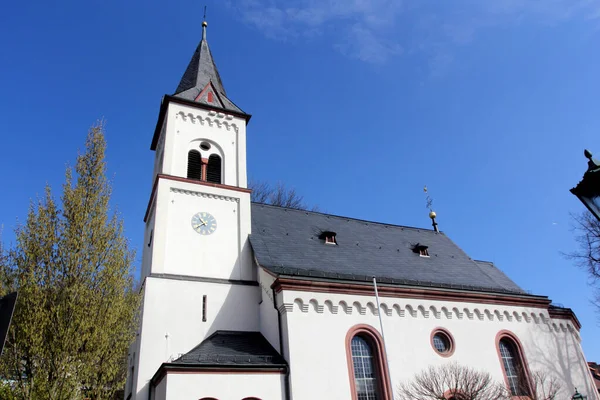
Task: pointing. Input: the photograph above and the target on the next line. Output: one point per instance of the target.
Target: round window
(205, 146)
(442, 342)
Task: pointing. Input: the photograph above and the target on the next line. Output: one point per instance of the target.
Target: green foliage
(76, 310)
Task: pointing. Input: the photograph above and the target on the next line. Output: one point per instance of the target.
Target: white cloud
(376, 30)
(360, 29)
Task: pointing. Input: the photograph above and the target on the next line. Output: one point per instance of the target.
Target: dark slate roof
(233, 348)
(200, 71)
(286, 242)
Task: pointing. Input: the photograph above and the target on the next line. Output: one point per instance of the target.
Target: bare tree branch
(544, 387)
(278, 195)
(587, 229)
(452, 381)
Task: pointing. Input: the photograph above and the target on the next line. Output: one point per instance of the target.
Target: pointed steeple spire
(201, 81)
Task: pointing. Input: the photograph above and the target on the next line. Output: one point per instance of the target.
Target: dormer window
(421, 250)
(328, 237)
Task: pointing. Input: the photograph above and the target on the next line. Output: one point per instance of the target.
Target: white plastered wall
(317, 324)
(172, 324)
(269, 323)
(186, 124)
(178, 249)
(227, 386)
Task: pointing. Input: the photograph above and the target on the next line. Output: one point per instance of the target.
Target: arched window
(194, 167)
(513, 364)
(213, 171)
(366, 364)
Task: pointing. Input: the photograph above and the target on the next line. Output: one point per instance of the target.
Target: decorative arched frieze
(478, 313)
(499, 315)
(489, 314)
(468, 312)
(372, 308)
(359, 308)
(420, 310)
(285, 308)
(331, 307)
(345, 307)
(301, 306)
(386, 309)
(204, 195)
(517, 316)
(316, 306)
(435, 312)
(398, 310)
(447, 313)
(218, 119)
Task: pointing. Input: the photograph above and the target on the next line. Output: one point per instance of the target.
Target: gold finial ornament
(204, 24)
(432, 215)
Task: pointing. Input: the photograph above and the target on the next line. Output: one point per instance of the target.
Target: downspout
(287, 372)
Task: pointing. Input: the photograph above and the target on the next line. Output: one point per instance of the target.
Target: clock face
(204, 223)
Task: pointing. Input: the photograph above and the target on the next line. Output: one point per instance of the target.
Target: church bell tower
(197, 269)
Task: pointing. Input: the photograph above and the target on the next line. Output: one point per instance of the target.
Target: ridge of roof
(342, 217)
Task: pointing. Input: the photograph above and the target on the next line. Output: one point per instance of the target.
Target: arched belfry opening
(194, 166)
(213, 169)
(205, 164)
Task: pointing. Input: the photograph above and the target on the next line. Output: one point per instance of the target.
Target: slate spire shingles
(201, 71)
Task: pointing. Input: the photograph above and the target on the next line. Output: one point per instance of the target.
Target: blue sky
(357, 104)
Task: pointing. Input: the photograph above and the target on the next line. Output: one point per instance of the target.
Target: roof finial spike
(432, 213)
(204, 25)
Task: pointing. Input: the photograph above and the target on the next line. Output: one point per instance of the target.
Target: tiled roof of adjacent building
(233, 348)
(286, 242)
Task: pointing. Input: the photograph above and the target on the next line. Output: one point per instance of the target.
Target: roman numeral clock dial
(204, 223)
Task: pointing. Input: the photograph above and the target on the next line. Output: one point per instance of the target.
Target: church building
(245, 301)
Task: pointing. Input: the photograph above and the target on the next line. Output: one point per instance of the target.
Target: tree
(587, 229)
(452, 381)
(76, 311)
(543, 387)
(278, 195)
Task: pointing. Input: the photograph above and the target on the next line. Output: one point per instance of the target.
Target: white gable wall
(317, 324)
(225, 386)
(174, 325)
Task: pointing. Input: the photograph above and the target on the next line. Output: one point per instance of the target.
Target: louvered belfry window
(213, 171)
(194, 167)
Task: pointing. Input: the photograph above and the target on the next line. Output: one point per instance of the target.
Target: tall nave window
(514, 367)
(368, 372)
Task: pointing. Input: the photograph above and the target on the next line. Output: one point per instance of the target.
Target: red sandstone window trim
(374, 338)
(505, 334)
(456, 394)
(450, 338)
